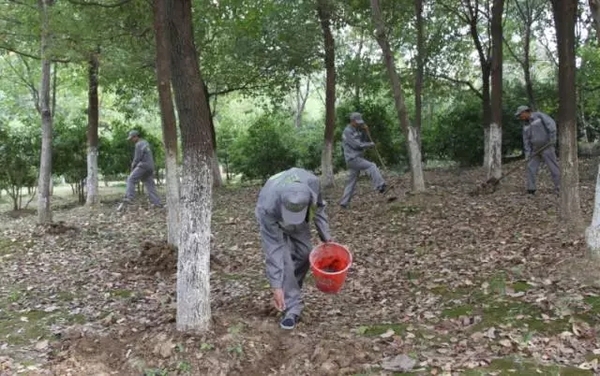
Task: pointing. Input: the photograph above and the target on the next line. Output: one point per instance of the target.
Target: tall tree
(528, 12)
(565, 16)
(44, 211)
(420, 67)
(470, 13)
(169, 124)
(193, 266)
(324, 13)
(494, 158)
(92, 131)
(595, 10)
(414, 151)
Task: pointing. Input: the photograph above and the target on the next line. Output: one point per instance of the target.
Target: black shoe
(531, 191)
(383, 188)
(289, 321)
(344, 206)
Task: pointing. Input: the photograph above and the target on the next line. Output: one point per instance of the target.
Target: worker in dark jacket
(539, 132)
(142, 169)
(287, 204)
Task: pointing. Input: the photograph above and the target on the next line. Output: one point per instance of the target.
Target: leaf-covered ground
(442, 283)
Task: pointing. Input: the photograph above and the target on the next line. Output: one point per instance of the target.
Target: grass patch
(122, 293)
(405, 209)
(22, 328)
(5, 246)
(521, 367)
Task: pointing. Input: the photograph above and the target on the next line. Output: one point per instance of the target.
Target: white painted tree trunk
(494, 157)
(592, 233)
(416, 163)
(172, 182)
(92, 176)
(193, 268)
(327, 177)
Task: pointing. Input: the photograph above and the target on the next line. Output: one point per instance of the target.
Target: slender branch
(93, 3)
(458, 81)
(246, 86)
(35, 57)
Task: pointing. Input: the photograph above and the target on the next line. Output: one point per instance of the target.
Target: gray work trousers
(355, 166)
(147, 177)
(548, 156)
(295, 265)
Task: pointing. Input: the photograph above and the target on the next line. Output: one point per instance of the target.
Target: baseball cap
(356, 116)
(521, 109)
(295, 202)
(132, 134)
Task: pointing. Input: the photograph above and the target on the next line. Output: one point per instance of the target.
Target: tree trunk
(592, 233)
(565, 15)
(92, 132)
(595, 10)
(418, 182)
(216, 170)
(193, 266)
(301, 99)
(169, 124)
(527, 67)
(43, 211)
(494, 167)
(419, 72)
(487, 113)
(324, 14)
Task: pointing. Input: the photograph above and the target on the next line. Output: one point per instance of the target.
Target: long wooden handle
(376, 151)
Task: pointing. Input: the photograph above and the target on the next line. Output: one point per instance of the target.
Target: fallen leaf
(399, 363)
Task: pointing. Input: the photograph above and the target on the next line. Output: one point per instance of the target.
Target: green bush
(267, 147)
(19, 158)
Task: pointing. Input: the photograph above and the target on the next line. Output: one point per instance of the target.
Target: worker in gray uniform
(142, 169)
(287, 203)
(539, 131)
(354, 149)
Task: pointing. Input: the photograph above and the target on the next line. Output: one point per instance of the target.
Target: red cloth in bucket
(329, 263)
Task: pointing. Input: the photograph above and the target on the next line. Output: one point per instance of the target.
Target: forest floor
(442, 283)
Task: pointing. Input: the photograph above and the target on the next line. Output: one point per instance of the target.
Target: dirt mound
(159, 257)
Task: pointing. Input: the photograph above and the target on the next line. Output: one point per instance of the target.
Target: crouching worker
(287, 203)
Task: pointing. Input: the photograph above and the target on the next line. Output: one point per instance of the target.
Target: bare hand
(278, 300)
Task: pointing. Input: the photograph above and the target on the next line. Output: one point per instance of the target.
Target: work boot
(289, 321)
(531, 191)
(383, 188)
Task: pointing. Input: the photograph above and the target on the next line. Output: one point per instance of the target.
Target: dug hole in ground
(440, 283)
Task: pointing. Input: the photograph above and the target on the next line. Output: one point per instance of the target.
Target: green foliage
(19, 158)
(457, 135)
(115, 152)
(310, 146)
(69, 149)
(267, 147)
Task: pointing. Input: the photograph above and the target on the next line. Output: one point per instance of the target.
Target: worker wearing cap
(286, 205)
(539, 131)
(354, 149)
(142, 169)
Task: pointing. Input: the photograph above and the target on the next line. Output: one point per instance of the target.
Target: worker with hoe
(142, 169)
(286, 205)
(354, 148)
(539, 139)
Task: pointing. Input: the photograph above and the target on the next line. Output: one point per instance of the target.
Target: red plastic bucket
(329, 263)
